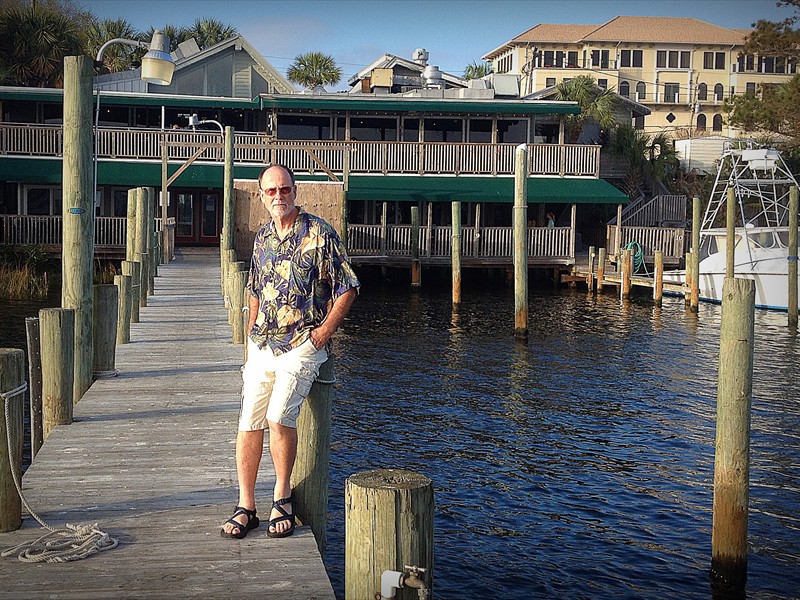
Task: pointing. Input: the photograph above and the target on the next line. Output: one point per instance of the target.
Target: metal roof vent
(420, 56)
(432, 77)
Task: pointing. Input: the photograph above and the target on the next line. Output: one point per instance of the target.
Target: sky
(454, 32)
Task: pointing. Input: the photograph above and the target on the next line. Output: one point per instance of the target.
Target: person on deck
(302, 285)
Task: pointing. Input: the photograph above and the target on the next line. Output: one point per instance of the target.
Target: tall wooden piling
(520, 243)
(106, 302)
(34, 382)
(77, 270)
(590, 270)
(133, 269)
(732, 458)
(57, 333)
(150, 228)
(388, 525)
(416, 268)
(687, 283)
(140, 255)
(455, 245)
(310, 474)
(601, 268)
(792, 300)
(694, 294)
(658, 278)
(130, 225)
(12, 376)
(627, 272)
(227, 241)
(237, 280)
(167, 242)
(144, 277)
(123, 283)
(730, 222)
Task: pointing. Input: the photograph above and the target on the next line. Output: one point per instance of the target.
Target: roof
(662, 30)
(389, 61)
(482, 189)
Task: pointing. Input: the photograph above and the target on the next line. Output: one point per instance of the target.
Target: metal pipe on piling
(792, 274)
(732, 457)
(520, 243)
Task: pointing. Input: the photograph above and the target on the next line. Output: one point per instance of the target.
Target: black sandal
(243, 529)
(285, 516)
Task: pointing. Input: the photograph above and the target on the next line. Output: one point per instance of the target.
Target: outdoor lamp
(157, 64)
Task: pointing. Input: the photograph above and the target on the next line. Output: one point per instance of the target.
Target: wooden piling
(627, 271)
(12, 376)
(236, 285)
(77, 269)
(792, 257)
(123, 283)
(140, 255)
(455, 245)
(388, 525)
(150, 228)
(590, 270)
(732, 458)
(34, 382)
(601, 269)
(687, 283)
(144, 277)
(416, 274)
(106, 303)
(310, 474)
(57, 332)
(694, 288)
(130, 225)
(730, 231)
(658, 278)
(228, 197)
(133, 269)
(520, 243)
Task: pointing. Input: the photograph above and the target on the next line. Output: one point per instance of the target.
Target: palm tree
(209, 32)
(313, 69)
(596, 104)
(476, 70)
(33, 44)
(647, 158)
(116, 57)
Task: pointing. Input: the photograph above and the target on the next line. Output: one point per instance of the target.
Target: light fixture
(157, 64)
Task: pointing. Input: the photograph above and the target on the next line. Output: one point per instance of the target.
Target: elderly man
(301, 285)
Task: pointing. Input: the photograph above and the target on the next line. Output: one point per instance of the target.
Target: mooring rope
(72, 542)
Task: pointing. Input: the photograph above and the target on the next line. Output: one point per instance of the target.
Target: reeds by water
(22, 283)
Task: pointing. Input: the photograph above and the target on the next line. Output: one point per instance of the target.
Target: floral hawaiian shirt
(296, 281)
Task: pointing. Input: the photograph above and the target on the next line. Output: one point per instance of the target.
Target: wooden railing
(483, 243)
(653, 212)
(429, 158)
(46, 230)
(670, 240)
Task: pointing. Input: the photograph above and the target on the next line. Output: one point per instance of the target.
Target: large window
(600, 58)
(572, 58)
(714, 60)
(702, 92)
(630, 58)
(624, 89)
(512, 131)
(673, 59)
(672, 92)
(480, 131)
(750, 88)
(717, 123)
(373, 129)
(444, 130)
(701, 122)
(719, 91)
(42, 200)
(304, 127)
(641, 91)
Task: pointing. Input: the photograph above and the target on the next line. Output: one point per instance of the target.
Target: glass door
(197, 217)
(184, 221)
(209, 217)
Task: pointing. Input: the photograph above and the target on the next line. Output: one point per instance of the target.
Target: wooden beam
(187, 164)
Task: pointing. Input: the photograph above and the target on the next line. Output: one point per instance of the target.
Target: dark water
(578, 466)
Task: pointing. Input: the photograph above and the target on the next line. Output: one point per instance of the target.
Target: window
(559, 58)
(637, 58)
(304, 127)
(701, 122)
(512, 131)
(602, 83)
(708, 60)
(444, 130)
(572, 59)
(480, 131)
(661, 59)
(600, 58)
(719, 60)
(717, 123)
(673, 59)
(702, 92)
(671, 92)
(373, 129)
(718, 92)
(550, 82)
(641, 91)
(638, 122)
(625, 58)
(750, 89)
(768, 64)
(549, 58)
(624, 89)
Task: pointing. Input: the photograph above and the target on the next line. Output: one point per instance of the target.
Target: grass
(22, 283)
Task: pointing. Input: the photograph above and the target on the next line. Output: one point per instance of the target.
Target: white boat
(761, 182)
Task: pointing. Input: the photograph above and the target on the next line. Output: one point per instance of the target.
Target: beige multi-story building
(683, 69)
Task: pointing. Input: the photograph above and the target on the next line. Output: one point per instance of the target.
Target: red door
(198, 218)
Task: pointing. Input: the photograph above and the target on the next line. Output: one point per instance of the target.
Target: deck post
(455, 252)
(134, 270)
(730, 222)
(601, 269)
(12, 376)
(106, 303)
(57, 330)
(123, 283)
(590, 271)
(618, 233)
(34, 382)
(695, 281)
(687, 283)
(658, 278)
(416, 275)
(310, 476)
(237, 281)
(792, 303)
(520, 245)
(627, 271)
(385, 229)
(228, 195)
(732, 456)
(382, 508)
(140, 255)
(130, 225)
(77, 271)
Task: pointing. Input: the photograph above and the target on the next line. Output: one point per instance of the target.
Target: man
(301, 285)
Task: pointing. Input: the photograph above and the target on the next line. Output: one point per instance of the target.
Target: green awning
(482, 189)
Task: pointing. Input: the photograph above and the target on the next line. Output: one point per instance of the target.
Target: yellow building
(683, 69)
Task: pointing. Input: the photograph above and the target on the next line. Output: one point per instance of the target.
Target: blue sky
(455, 32)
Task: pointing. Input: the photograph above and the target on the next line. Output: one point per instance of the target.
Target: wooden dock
(150, 458)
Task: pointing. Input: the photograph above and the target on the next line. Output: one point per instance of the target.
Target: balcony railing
(46, 230)
(429, 158)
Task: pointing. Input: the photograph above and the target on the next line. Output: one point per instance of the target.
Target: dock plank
(150, 458)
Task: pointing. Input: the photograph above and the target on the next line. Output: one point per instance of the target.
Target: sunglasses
(283, 191)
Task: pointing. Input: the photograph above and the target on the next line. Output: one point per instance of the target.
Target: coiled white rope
(72, 542)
